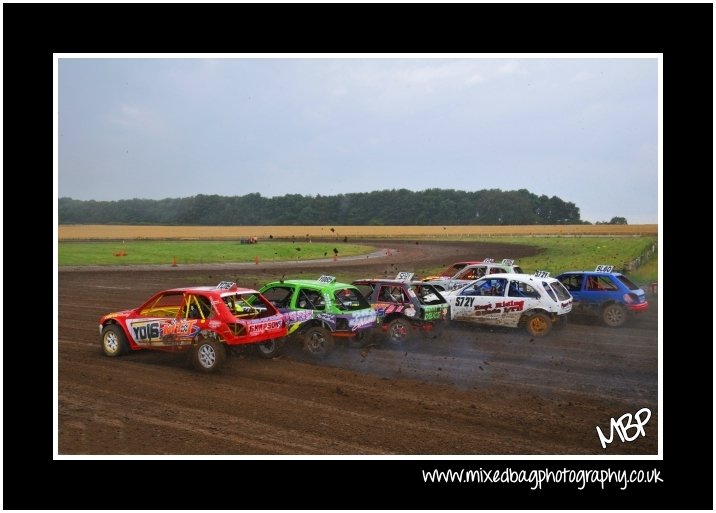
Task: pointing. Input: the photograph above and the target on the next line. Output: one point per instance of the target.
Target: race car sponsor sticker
(259, 328)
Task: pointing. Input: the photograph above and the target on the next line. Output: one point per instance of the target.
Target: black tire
(208, 355)
(399, 331)
(538, 324)
(269, 349)
(317, 341)
(114, 342)
(614, 315)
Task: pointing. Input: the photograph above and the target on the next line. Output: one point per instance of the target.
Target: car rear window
(549, 291)
(626, 281)
(559, 289)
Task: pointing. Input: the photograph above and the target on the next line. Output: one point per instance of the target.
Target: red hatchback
(205, 320)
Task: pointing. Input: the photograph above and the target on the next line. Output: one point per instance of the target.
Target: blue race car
(604, 293)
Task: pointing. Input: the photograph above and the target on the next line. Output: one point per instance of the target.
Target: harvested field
(99, 232)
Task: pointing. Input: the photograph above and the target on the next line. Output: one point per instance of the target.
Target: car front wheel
(114, 343)
(317, 341)
(208, 355)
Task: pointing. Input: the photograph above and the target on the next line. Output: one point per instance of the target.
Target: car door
(169, 320)
(477, 302)
(521, 297)
(596, 290)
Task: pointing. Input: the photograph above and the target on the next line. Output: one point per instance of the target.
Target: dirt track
(473, 391)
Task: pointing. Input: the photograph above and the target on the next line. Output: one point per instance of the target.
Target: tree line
(384, 207)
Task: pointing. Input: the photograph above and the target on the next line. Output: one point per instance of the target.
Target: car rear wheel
(317, 341)
(399, 331)
(270, 348)
(614, 315)
(208, 355)
(538, 324)
(114, 343)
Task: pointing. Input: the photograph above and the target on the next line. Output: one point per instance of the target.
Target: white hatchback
(513, 300)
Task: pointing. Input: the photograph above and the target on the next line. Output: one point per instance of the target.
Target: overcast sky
(583, 129)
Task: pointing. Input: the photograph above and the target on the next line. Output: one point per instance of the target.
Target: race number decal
(404, 276)
(464, 301)
(326, 279)
(542, 274)
(226, 285)
(489, 260)
(604, 269)
(507, 261)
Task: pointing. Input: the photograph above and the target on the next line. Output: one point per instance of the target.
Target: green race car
(319, 310)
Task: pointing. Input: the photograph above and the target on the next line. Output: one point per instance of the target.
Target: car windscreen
(427, 294)
(350, 299)
(366, 289)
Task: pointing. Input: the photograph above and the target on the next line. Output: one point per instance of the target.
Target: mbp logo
(623, 425)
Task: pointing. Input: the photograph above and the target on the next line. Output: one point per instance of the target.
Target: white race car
(513, 300)
(473, 272)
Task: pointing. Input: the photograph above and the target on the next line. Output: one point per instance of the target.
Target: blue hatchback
(609, 295)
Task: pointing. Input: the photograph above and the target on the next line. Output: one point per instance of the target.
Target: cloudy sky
(583, 129)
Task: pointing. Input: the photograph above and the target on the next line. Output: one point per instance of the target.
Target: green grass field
(197, 252)
(561, 254)
(558, 253)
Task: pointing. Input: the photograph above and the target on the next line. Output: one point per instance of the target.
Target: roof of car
(521, 276)
(614, 273)
(214, 289)
(389, 281)
(311, 283)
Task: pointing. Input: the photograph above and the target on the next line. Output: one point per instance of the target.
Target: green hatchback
(319, 310)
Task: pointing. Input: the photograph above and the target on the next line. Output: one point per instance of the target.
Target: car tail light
(631, 298)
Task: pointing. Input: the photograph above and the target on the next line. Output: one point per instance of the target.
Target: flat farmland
(117, 232)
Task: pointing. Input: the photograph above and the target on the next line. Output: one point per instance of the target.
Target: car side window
(309, 299)
(384, 294)
(280, 297)
(520, 289)
(472, 290)
(493, 287)
(166, 305)
(600, 283)
(198, 307)
(572, 282)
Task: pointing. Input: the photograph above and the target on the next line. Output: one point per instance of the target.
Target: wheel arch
(313, 323)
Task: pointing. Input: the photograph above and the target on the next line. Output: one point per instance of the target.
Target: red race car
(205, 320)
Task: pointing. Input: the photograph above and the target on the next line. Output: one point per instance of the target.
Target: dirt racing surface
(471, 391)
